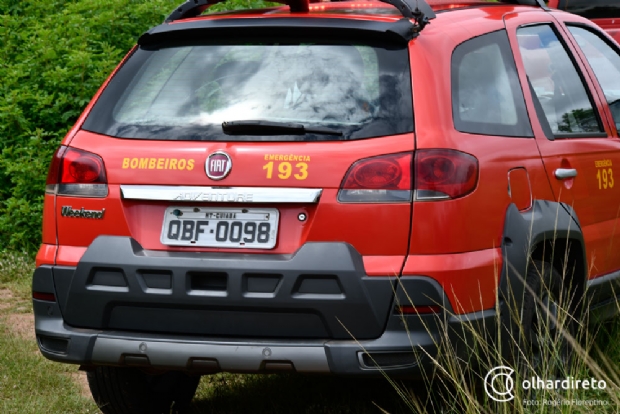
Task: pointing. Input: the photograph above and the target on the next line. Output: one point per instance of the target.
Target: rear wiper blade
(273, 128)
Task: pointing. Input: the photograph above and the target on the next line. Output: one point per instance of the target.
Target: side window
(605, 63)
(556, 83)
(486, 95)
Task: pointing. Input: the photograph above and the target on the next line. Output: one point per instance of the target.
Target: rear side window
(605, 63)
(557, 85)
(186, 91)
(486, 96)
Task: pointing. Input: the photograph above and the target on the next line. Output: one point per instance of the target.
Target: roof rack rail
(419, 10)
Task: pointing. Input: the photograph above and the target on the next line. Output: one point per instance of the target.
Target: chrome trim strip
(418, 197)
(246, 357)
(221, 194)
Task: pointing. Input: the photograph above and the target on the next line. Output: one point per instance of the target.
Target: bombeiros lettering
(158, 164)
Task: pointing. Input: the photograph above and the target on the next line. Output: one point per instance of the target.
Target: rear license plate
(248, 228)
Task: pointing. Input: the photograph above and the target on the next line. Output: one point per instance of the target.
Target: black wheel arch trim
(545, 222)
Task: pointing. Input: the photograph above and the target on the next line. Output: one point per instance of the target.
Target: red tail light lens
(383, 179)
(81, 167)
(444, 174)
(54, 171)
(74, 172)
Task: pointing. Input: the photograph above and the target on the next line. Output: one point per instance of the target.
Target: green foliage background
(54, 55)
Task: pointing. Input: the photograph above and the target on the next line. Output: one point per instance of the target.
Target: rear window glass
(186, 91)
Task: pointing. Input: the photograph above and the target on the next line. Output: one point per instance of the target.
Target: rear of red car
(239, 197)
(246, 189)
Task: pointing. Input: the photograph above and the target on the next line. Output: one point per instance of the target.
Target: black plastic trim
(322, 291)
(546, 221)
(421, 291)
(399, 32)
(43, 280)
(603, 297)
(411, 337)
(581, 135)
(402, 345)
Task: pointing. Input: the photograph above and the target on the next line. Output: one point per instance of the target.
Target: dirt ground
(22, 325)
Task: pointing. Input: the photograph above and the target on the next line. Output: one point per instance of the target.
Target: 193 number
(285, 170)
(605, 177)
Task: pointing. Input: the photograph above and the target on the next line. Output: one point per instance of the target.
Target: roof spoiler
(419, 10)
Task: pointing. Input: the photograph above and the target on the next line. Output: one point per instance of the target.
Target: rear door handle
(564, 173)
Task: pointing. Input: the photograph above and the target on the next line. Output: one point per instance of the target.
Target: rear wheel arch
(548, 232)
(542, 248)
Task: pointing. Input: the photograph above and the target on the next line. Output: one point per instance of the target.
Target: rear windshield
(186, 91)
(592, 9)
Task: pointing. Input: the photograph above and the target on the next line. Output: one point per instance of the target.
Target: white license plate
(248, 228)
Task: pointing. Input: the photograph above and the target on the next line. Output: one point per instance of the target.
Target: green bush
(55, 55)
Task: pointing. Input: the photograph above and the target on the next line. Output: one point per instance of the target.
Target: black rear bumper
(313, 311)
(320, 291)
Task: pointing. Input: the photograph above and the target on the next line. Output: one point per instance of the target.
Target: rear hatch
(252, 147)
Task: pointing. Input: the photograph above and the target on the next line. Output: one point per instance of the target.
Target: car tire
(547, 325)
(119, 390)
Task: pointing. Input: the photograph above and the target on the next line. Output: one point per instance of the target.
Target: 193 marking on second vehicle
(604, 174)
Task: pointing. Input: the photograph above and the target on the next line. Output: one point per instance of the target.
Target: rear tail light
(74, 172)
(53, 174)
(383, 179)
(442, 174)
